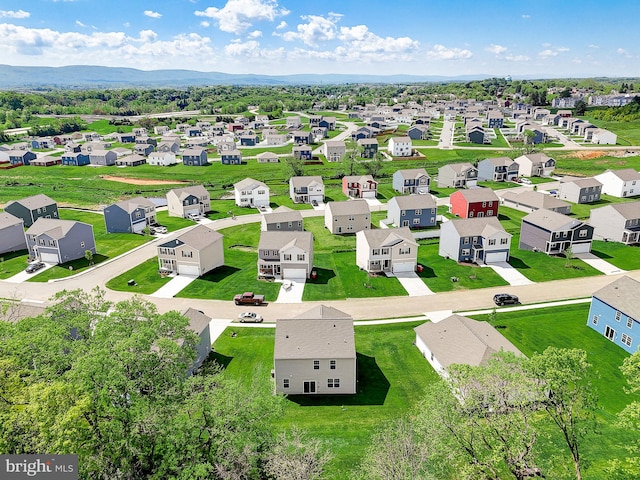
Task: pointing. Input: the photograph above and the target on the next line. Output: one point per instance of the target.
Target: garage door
(294, 274)
(581, 247)
(404, 267)
(493, 257)
(138, 227)
(191, 270)
(189, 211)
(368, 194)
(49, 258)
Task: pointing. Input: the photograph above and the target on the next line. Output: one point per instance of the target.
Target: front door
(310, 387)
(610, 333)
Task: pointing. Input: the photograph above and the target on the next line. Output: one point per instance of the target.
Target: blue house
(195, 157)
(125, 137)
(413, 211)
(21, 157)
(130, 216)
(231, 157)
(302, 152)
(32, 208)
(249, 140)
(615, 313)
(75, 159)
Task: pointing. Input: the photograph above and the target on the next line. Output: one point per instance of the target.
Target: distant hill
(80, 76)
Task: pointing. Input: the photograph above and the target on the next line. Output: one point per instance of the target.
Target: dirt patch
(140, 181)
(591, 154)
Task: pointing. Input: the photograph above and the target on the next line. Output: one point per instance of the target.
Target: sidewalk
(509, 274)
(599, 264)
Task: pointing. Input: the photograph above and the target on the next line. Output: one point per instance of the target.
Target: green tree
(580, 108)
(350, 159)
(295, 166)
(88, 254)
(374, 165)
(296, 457)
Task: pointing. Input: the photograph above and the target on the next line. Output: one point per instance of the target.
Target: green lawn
(626, 257)
(12, 263)
(145, 275)
(628, 131)
(391, 376)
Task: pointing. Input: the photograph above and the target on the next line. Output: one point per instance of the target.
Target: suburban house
(475, 240)
(249, 140)
(315, 353)
(231, 157)
(168, 146)
(144, 149)
(251, 193)
(418, 132)
(368, 146)
(475, 202)
(400, 147)
(306, 189)
(618, 222)
(615, 313)
(302, 138)
(29, 209)
(413, 211)
(282, 218)
(334, 150)
(195, 157)
(302, 152)
(199, 324)
(414, 180)
(293, 122)
(553, 233)
(359, 186)
(285, 255)
(102, 157)
(193, 253)
(194, 200)
(130, 216)
(580, 190)
(11, 233)
(495, 119)
(457, 175)
(350, 216)
(267, 157)
(460, 340)
(535, 165)
(530, 201)
(602, 136)
(388, 250)
(76, 159)
(474, 133)
(163, 159)
(46, 161)
(620, 183)
(56, 241)
(21, 157)
(498, 169)
(133, 160)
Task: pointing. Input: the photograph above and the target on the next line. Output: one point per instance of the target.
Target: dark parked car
(34, 267)
(505, 299)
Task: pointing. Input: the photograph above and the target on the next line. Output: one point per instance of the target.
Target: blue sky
(551, 38)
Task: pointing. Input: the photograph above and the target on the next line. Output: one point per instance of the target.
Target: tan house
(349, 216)
(388, 250)
(193, 253)
(285, 255)
(315, 353)
(194, 200)
(334, 150)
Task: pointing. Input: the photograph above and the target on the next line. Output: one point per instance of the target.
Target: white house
(392, 250)
(602, 137)
(620, 183)
(163, 159)
(400, 147)
(251, 193)
(306, 189)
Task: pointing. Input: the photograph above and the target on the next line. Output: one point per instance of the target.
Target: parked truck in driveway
(248, 298)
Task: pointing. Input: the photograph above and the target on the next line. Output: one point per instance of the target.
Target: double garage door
(191, 270)
(49, 258)
(294, 274)
(493, 257)
(403, 267)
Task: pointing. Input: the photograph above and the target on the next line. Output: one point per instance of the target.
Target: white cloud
(547, 53)
(362, 40)
(592, 45)
(147, 36)
(317, 29)
(204, 23)
(80, 24)
(517, 58)
(152, 14)
(525, 16)
(440, 52)
(281, 25)
(126, 24)
(246, 49)
(255, 34)
(239, 15)
(496, 49)
(14, 14)
(562, 49)
(623, 52)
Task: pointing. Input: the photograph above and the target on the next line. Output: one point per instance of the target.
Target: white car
(249, 317)
(525, 181)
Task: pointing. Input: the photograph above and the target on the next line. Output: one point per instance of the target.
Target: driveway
(24, 276)
(413, 284)
(293, 294)
(509, 274)
(598, 263)
(173, 287)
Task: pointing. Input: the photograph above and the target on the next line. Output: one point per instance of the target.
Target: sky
(520, 38)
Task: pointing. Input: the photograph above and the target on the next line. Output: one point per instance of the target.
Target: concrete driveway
(413, 284)
(599, 264)
(24, 276)
(292, 294)
(509, 274)
(173, 287)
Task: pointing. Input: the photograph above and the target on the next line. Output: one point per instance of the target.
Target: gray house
(285, 255)
(552, 233)
(315, 353)
(58, 241)
(193, 253)
(619, 222)
(413, 180)
(195, 157)
(11, 233)
(478, 240)
(102, 157)
(347, 217)
(130, 216)
(457, 175)
(413, 211)
(580, 190)
(282, 219)
(530, 201)
(498, 169)
(194, 200)
(199, 324)
(29, 209)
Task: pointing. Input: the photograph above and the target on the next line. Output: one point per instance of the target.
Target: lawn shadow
(323, 276)
(600, 254)
(372, 387)
(219, 273)
(427, 272)
(515, 262)
(9, 255)
(216, 360)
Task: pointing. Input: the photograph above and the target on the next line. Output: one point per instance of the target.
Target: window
(489, 213)
(287, 257)
(376, 251)
(416, 221)
(629, 322)
(504, 241)
(332, 364)
(484, 204)
(465, 252)
(404, 213)
(405, 250)
(301, 257)
(290, 224)
(626, 339)
(594, 319)
(583, 234)
(418, 212)
(618, 316)
(52, 243)
(492, 241)
(316, 364)
(82, 244)
(285, 383)
(333, 382)
(385, 251)
(470, 214)
(187, 254)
